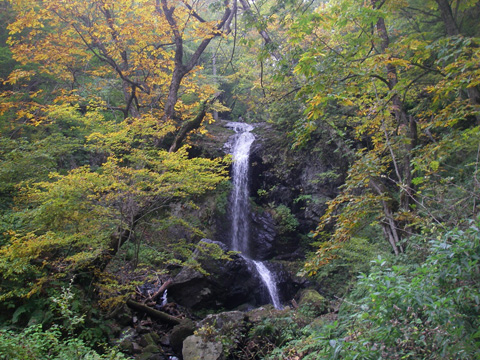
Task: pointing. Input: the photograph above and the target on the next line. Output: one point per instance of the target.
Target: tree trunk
(402, 119)
(389, 225)
(177, 76)
(447, 17)
(215, 80)
(160, 291)
(159, 315)
(409, 127)
(192, 124)
(182, 69)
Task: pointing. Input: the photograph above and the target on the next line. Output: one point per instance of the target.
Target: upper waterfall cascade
(240, 194)
(240, 207)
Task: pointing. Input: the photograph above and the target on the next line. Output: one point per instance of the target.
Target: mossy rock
(151, 352)
(266, 311)
(311, 301)
(149, 339)
(180, 333)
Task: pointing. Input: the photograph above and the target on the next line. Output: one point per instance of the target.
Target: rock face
(225, 322)
(229, 284)
(303, 180)
(262, 235)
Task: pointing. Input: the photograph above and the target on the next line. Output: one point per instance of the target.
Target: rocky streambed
(220, 336)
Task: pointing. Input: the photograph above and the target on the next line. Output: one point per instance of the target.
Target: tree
(135, 49)
(80, 64)
(384, 82)
(81, 219)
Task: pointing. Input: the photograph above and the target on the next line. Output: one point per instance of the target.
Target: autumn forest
(118, 122)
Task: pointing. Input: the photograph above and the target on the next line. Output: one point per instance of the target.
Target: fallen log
(159, 315)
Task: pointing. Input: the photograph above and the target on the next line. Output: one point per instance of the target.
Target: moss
(311, 301)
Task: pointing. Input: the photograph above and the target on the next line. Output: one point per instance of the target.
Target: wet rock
(196, 348)
(287, 283)
(229, 284)
(303, 179)
(263, 234)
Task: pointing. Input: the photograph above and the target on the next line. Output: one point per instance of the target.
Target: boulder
(224, 320)
(311, 300)
(229, 283)
(196, 348)
(257, 315)
(126, 340)
(227, 328)
(149, 339)
(151, 352)
(180, 333)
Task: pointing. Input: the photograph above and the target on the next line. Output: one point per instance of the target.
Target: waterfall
(240, 209)
(239, 198)
(164, 298)
(269, 281)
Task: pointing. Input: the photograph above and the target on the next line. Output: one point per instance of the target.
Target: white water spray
(268, 280)
(240, 199)
(240, 208)
(164, 298)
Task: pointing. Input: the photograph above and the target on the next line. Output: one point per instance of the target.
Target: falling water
(164, 298)
(240, 204)
(239, 200)
(267, 278)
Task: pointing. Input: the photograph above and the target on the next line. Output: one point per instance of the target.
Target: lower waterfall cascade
(240, 207)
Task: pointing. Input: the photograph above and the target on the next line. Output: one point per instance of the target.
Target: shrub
(58, 342)
(430, 313)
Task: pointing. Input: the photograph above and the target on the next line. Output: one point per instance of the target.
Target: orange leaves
(125, 44)
(17, 75)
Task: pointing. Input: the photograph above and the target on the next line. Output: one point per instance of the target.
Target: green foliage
(222, 197)
(340, 273)
(6, 62)
(35, 342)
(285, 220)
(64, 304)
(427, 310)
(427, 313)
(400, 97)
(72, 216)
(277, 330)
